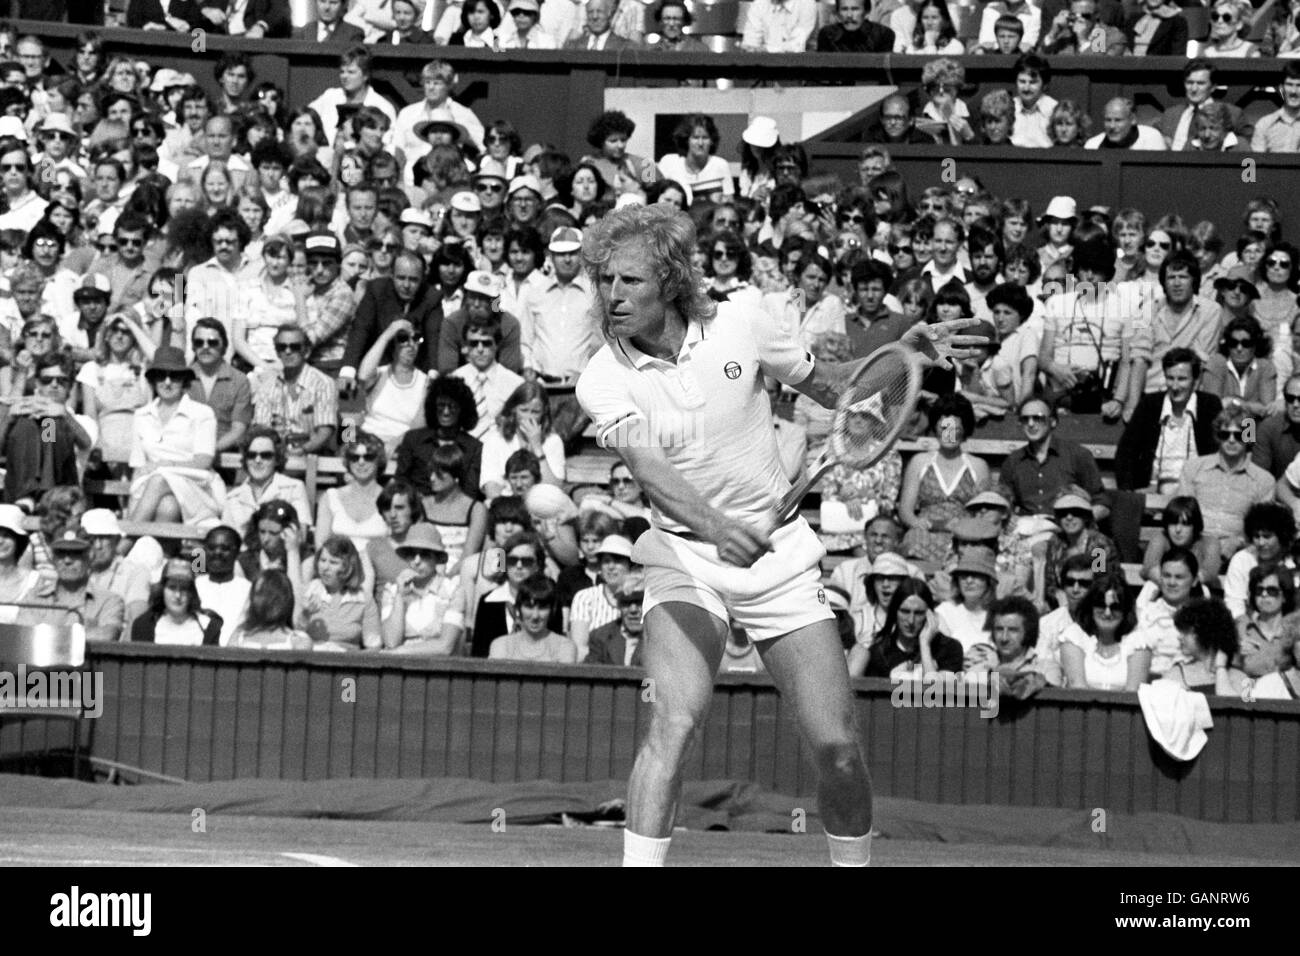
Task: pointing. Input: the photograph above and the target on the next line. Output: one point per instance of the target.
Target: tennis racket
(876, 405)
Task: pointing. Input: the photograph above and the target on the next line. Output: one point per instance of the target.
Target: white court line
(316, 859)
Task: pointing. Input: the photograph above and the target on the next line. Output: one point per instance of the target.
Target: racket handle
(790, 501)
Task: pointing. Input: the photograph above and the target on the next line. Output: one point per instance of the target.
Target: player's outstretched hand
(942, 343)
(739, 544)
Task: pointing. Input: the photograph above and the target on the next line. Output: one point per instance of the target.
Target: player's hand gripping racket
(876, 405)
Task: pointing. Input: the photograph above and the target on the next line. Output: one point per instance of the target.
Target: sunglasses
(1240, 343)
(1278, 263)
(362, 456)
(290, 347)
(405, 338)
(54, 380)
(1157, 244)
(259, 456)
(1267, 590)
(39, 334)
(1222, 18)
(175, 377)
(621, 481)
(385, 247)
(130, 243)
(515, 562)
(207, 343)
(106, 246)
(1229, 433)
(1031, 419)
(13, 167)
(489, 188)
(1075, 513)
(1110, 607)
(899, 250)
(1072, 582)
(1292, 399)
(723, 254)
(853, 217)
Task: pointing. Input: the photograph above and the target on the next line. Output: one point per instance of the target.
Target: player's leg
(683, 648)
(809, 670)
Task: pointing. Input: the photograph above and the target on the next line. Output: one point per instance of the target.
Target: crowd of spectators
(399, 289)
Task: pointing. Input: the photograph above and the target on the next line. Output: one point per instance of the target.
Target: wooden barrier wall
(218, 714)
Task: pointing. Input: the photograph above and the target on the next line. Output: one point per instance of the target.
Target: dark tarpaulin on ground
(724, 804)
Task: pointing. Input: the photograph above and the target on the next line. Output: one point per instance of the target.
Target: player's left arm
(938, 344)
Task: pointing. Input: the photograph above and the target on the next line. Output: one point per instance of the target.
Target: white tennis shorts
(780, 593)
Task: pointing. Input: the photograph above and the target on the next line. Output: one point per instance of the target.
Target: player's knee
(842, 761)
(673, 730)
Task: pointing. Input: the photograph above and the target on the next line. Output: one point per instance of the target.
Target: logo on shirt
(732, 370)
(821, 596)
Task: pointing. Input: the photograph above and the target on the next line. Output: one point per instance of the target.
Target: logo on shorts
(821, 596)
(732, 370)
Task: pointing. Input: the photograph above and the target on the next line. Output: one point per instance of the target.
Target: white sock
(644, 851)
(850, 851)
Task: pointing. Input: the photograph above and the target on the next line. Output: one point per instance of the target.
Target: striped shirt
(303, 406)
(593, 606)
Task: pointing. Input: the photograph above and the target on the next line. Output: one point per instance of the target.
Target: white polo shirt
(707, 412)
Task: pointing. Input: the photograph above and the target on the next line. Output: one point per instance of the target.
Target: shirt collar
(1167, 408)
(639, 359)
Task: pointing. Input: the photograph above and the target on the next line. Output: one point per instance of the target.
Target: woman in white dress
(1101, 650)
(173, 445)
(113, 385)
(272, 300)
(352, 510)
(694, 164)
(395, 393)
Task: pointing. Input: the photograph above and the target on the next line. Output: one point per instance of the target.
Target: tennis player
(677, 391)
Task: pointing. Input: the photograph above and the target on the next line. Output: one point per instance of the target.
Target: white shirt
(421, 112)
(1177, 443)
(1032, 129)
(775, 27)
(191, 431)
(327, 108)
(562, 19)
(1148, 138)
(496, 450)
(827, 315)
(211, 291)
(716, 174)
(427, 609)
(242, 501)
(1029, 15)
(25, 214)
(940, 279)
(557, 334)
(702, 410)
(1236, 582)
(499, 383)
(964, 625)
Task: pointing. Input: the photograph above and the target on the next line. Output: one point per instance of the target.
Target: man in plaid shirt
(330, 305)
(298, 401)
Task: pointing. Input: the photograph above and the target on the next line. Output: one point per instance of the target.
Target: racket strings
(870, 413)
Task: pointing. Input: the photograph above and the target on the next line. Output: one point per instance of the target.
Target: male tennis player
(677, 390)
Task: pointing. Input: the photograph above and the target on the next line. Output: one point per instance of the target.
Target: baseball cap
(526, 181)
(466, 201)
(416, 217)
(616, 544)
(322, 243)
(100, 522)
(94, 283)
(70, 541)
(565, 239)
(483, 283)
(11, 519)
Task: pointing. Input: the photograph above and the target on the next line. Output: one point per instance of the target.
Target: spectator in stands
(695, 163)
(1036, 474)
(1069, 125)
(60, 510)
(779, 26)
(418, 608)
(944, 266)
(461, 521)
(937, 485)
(354, 88)
(1227, 481)
(400, 505)
(1276, 306)
(218, 143)
(75, 599)
(533, 639)
(403, 27)
(1277, 439)
(250, 19)
(1019, 333)
(524, 422)
(1183, 319)
(1157, 28)
(854, 33)
(111, 573)
(127, 269)
(18, 584)
(620, 641)
(1104, 650)
(351, 509)
(300, 402)
(395, 394)
(1271, 598)
(220, 386)
(1033, 107)
(1182, 526)
(1064, 594)
(113, 387)
(475, 25)
(1078, 535)
(330, 28)
(1168, 429)
(965, 616)
(1270, 531)
(1021, 670)
(1079, 30)
(268, 622)
(896, 123)
(220, 590)
(497, 610)
(869, 612)
(1241, 374)
(263, 460)
(526, 34)
(272, 300)
(594, 525)
(945, 117)
(173, 447)
(1207, 639)
(597, 605)
(407, 295)
(559, 335)
(934, 33)
(336, 610)
(175, 613)
(911, 643)
(212, 286)
(598, 34)
(1028, 14)
(1214, 131)
(1122, 130)
(1229, 24)
(1279, 131)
